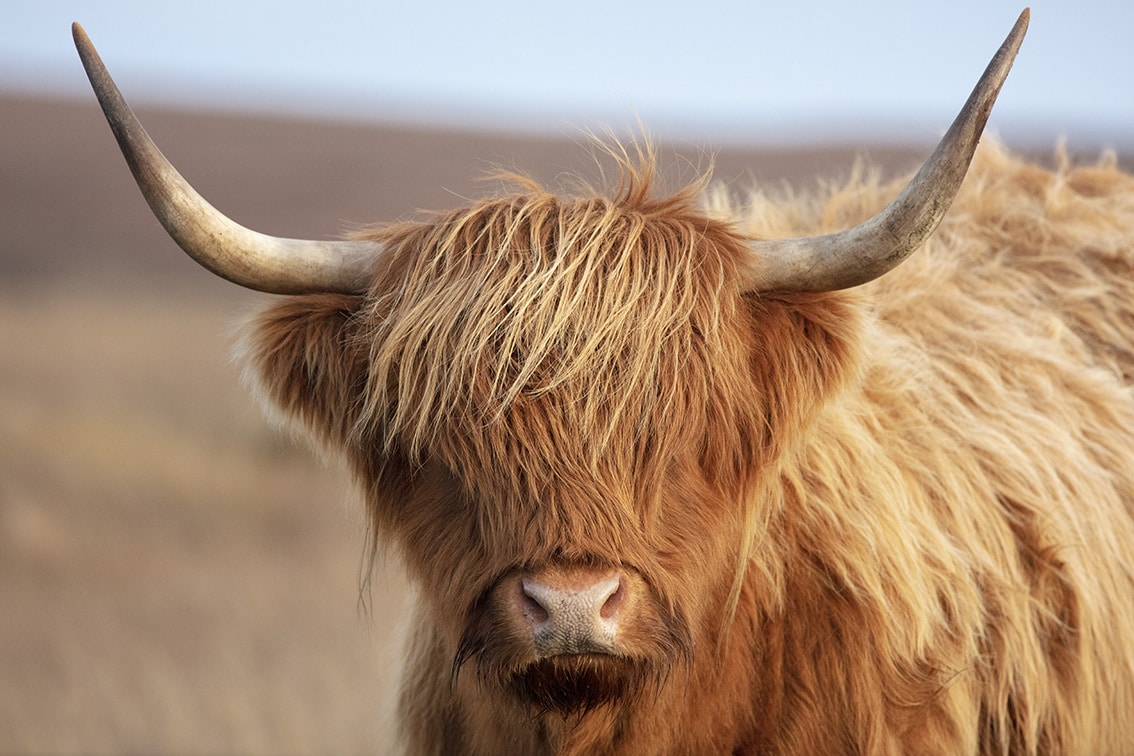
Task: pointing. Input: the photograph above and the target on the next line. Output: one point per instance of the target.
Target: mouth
(576, 683)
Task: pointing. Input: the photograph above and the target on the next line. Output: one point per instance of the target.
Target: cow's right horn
(246, 257)
(861, 254)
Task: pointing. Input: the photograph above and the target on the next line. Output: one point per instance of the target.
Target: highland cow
(676, 475)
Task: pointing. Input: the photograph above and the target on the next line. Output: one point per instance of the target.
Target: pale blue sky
(724, 71)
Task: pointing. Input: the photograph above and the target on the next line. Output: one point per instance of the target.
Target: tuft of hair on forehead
(532, 327)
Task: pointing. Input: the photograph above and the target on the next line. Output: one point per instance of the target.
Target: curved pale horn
(246, 257)
(863, 253)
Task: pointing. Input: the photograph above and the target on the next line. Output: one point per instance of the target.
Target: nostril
(530, 605)
(614, 601)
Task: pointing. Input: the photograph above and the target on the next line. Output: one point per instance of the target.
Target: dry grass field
(176, 575)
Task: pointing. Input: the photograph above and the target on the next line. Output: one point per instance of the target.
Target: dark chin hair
(575, 684)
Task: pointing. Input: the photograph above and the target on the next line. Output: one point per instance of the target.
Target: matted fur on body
(894, 519)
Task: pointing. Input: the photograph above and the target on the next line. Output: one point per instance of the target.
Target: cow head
(561, 410)
(556, 407)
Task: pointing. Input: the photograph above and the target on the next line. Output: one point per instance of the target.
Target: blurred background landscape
(177, 575)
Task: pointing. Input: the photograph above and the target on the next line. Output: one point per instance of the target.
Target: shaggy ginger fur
(895, 519)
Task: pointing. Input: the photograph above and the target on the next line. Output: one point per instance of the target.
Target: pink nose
(573, 612)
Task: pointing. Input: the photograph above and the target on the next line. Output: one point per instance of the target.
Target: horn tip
(82, 42)
(1022, 23)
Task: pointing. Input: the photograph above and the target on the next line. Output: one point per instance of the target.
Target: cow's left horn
(863, 253)
(246, 257)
